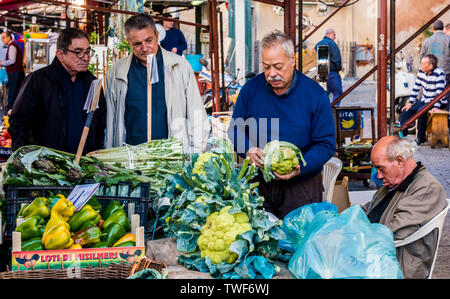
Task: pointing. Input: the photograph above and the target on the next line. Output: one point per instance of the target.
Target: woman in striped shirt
(431, 79)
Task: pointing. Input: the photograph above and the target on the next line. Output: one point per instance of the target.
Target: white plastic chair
(330, 172)
(436, 222)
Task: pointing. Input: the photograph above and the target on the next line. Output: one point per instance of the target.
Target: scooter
(404, 83)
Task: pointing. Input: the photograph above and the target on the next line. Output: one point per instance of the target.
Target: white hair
(400, 147)
(280, 38)
(328, 31)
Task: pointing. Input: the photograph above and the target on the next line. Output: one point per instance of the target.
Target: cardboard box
(341, 196)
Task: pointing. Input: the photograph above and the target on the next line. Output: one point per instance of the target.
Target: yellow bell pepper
(57, 231)
(126, 238)
(76, 246)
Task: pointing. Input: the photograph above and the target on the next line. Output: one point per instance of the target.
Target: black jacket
(39, 114)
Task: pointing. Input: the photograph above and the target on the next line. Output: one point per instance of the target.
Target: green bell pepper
(31, 227)
(88, 236)
(94, 203)
(33, 244)
(111, 208)
(126, 244)
(114, 232)
(91, 223)
(101, 244)
(87, 213)
(37, 207)
(119, 217)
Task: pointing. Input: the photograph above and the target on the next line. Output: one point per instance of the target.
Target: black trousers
(14, 82)
(282, 197)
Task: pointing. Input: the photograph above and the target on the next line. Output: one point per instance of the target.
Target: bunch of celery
(156, 159)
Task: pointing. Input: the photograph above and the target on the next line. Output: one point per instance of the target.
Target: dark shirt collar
(409, 179)
(136, 61)
(293, 83)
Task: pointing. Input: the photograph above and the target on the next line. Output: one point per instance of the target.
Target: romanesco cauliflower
(202, 159)
(285, 161)
(219, 232)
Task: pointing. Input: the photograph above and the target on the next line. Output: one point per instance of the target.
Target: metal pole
(425, 108)
(300, 37)
(392, 66)
(222, 63)
(381, 69)
(214, 53)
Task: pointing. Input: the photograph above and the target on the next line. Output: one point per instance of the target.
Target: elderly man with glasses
(49, 108)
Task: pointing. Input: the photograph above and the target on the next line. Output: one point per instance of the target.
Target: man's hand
(294, 172)
(174, 50)
(256, 156)
(407, 107)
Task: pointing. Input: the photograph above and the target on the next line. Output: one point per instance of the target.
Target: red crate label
(76, 258)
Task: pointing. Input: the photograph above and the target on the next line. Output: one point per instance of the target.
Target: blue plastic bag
(345, 245)
(3, 75)
(296, 223)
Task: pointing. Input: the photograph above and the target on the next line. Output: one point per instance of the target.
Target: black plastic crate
(122, 192)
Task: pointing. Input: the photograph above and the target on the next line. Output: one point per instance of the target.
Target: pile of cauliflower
(220, 230)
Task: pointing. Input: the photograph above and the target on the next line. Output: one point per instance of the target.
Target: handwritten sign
(81, 194)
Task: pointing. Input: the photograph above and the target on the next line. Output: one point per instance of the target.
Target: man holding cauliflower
(283, 122)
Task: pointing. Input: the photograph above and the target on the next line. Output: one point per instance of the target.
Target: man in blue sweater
(283, 104)
(174, 41)
(334, 82)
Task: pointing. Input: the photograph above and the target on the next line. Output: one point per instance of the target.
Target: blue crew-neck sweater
(302, 116)
(174, 39)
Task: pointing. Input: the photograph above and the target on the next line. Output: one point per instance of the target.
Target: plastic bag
(296, 223)
(345, 245)
(3, 75)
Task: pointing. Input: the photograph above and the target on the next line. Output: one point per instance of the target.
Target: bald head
(393, 159)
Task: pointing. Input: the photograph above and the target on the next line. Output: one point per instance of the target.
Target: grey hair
(138, 22)
(399, 147)
(328, 31)
(280, 38)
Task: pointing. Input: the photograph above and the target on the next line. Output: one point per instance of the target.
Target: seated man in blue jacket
(334, 82)
(283, 104)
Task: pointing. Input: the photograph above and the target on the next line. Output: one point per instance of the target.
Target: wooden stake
(149, 96)
(87, 125)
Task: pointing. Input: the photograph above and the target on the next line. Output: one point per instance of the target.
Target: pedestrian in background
(174, 40)
(334, 82)
(13, 62)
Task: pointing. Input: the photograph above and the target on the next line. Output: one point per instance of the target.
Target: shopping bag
(296, 223)
(3, 75)
(345, 245)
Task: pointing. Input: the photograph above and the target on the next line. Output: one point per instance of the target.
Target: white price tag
(81, 194)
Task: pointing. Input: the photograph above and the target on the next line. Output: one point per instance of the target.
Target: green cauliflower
(285, 161)
(220, 230)
(280, 157)
(200, 163)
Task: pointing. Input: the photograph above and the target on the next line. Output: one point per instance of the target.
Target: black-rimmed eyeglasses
(80, 54)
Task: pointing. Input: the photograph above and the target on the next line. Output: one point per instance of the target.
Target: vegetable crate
(113, 271)
(75, 259)
(136, 198)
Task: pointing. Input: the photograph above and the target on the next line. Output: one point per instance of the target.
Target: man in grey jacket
(410, 197)
(439, 45)
(177, 109)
